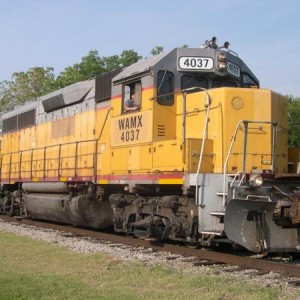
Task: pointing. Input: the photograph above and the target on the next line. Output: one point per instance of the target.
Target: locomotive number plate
(195, 63)
(233, 69)
(131, 128)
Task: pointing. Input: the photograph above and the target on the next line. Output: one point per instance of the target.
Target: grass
(37, 270)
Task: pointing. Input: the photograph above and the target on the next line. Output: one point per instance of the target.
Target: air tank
(79, 210)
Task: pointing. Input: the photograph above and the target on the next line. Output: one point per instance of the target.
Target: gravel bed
(184, 265)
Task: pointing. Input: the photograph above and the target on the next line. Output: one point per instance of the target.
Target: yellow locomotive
(199, 155)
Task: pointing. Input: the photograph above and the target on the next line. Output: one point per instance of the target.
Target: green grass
(37, 270)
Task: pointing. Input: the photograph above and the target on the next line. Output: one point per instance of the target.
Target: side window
(165, 87)
(132, 96)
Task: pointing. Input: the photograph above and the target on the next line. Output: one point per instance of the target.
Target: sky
(58, 33)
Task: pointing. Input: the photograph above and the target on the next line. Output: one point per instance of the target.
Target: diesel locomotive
(202, 159)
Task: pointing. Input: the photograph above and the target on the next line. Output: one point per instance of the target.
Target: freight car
(202, 158)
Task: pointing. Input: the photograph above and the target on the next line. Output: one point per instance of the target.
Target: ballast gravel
(184, 265)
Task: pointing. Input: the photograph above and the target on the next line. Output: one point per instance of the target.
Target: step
(217, 213)
(221, 194)
(231, 174)
(213, 232)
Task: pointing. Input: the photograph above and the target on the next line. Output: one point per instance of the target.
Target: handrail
(20, 165)
(76, 160)
(9, 167)
(31, 152)
(31, 159)
(235, 176)
(59, 162)
(184, 93)
(96, 146)
(202, 148)
(184, 113)
(52, 146)
(44, 164)
(274, 125)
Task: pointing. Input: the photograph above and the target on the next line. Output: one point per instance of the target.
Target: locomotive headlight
(256, 180)
(222, 65)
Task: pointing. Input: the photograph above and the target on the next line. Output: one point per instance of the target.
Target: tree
(128, 57)
(92, 65)
(38, 81)
(26, 86)
(6, 100)
(294, 121)
(157, 50)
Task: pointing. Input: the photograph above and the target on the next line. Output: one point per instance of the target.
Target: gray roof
(71, 93)
(140, 66)
(20, 109)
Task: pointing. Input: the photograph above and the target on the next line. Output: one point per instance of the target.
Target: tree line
(37, 81)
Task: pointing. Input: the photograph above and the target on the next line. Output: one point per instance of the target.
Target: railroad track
(204, 257)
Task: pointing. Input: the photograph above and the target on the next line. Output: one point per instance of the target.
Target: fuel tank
(79, 210)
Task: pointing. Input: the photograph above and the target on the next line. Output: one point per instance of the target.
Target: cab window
(223, 83)
(165, 88)
(132, 96)
(190, 81)
(248, 81)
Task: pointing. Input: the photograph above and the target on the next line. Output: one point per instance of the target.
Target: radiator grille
(20, 121)
(103, 85)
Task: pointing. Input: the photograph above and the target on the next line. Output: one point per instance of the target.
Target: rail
(264, 265)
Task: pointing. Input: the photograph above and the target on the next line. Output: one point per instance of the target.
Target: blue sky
(58, 33)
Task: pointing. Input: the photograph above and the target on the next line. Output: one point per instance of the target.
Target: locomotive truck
(203, 159)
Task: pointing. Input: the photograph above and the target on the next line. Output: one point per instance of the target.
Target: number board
(131, 128)
(195, 63)
(233, 69)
